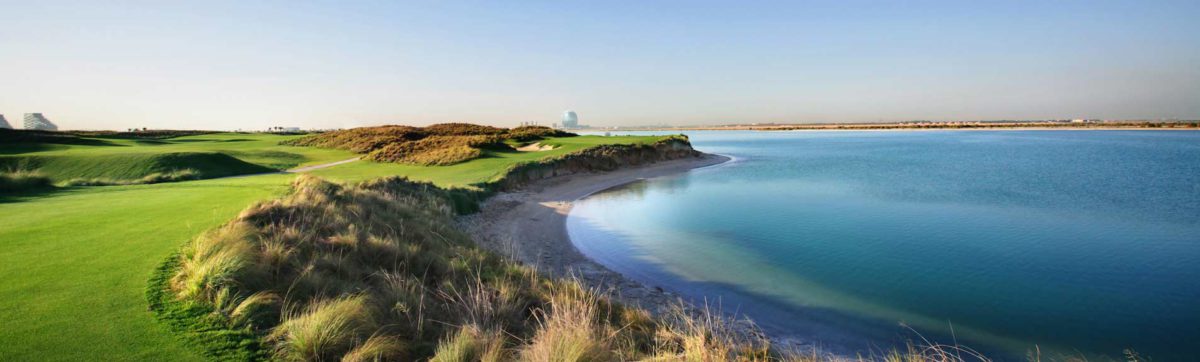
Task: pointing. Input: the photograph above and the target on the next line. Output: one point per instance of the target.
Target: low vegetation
(435, 145)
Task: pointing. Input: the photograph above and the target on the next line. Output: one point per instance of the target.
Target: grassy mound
(602, 157)
(378, 271)
(127, 168)
(435, 145)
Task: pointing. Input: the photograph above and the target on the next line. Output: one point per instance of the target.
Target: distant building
(283, 129)
(39, 122)
(4, 123)
(570, 120)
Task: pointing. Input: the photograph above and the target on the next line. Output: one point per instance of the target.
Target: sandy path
(530, 226)
(294, 170)
(321, 166)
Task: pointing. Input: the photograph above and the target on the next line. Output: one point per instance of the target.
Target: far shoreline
(888, 128)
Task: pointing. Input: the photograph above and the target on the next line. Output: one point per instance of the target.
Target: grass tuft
(17, 180)
(569, 331)
(325, 330)
(214, 262)
(470, 344)
(377, 348)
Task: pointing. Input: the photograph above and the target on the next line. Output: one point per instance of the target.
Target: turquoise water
(1068, 240)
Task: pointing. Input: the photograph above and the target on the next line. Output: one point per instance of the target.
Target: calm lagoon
(1069, 240)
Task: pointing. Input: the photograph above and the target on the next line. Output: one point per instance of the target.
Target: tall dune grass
(472, 343)
(435, 150)
(326, 330)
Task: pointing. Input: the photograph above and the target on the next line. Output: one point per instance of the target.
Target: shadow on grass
(19, 148)
(30, 195)
(16, 137)
(149, 142)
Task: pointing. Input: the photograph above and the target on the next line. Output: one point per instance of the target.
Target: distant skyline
(253, 65)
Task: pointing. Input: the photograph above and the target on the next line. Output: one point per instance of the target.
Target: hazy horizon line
(17, 125)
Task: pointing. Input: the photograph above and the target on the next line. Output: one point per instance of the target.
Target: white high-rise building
(39, 122)
(4, 123)
(570, 119)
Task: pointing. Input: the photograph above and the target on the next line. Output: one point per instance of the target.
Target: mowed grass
(475, 171)
(211, 155)
(76, 262)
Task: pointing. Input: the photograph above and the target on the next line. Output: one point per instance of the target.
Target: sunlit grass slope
(475, 171)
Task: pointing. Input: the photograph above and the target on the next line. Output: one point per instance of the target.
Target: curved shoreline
(529, 226)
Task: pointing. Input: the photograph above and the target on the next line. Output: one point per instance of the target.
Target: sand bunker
(535, 147)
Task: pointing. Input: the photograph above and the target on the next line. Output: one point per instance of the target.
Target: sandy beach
(530, 226)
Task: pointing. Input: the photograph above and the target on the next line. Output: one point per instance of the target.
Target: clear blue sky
(253, 64)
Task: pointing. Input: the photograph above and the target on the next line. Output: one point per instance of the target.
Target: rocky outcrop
(594, 159)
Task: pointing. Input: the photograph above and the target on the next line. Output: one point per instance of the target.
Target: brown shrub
(462, 129)
(360, 140)
(534, 133)
(435, 150)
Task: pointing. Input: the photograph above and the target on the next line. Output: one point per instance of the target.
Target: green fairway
(76, 260)
(474, 171)
(76, 264)
(116, 158)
